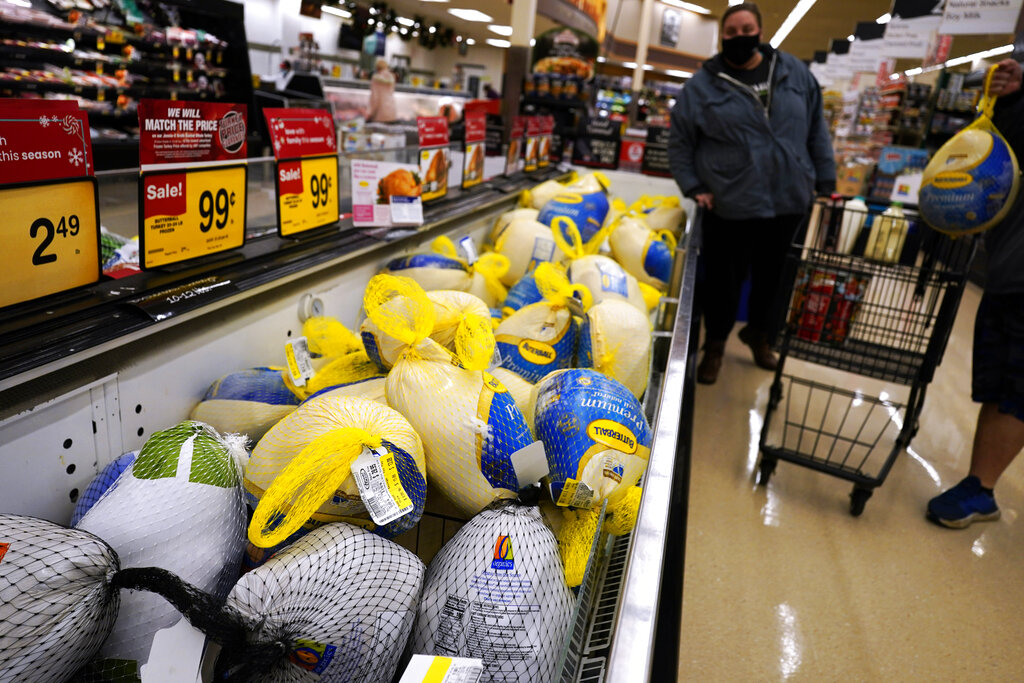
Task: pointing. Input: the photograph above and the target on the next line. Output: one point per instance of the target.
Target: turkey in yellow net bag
(615, 339)
(469, 424)
(646, 254)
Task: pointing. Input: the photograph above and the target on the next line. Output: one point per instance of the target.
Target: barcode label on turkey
(430, 669)
(300, 364)
(469, 249)
(380, 487)
(576, 494)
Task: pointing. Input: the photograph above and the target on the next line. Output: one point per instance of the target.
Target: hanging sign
(656, 152)
(516, 144)
(433, 134)
(533, 129)
(48, 200)
(475, 149)
(909, 38)
(979, 16)
(598, 143)
(304, 143)
(193, 200)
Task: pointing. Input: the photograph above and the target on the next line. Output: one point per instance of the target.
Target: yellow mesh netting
(492, 267)
(443, 245)
(474, 342)
(450, 309)
(399, 307)
(668, 238)
(349, 368)
(555, 287)
(328, 337)
(575, 541)
(568, 238)
(620, 517)
(309, 480)
(651, 295)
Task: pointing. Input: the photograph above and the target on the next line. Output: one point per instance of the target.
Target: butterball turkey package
(615, 339)
(595, 435)
(646, 254)
(497, 592)
(246, 402)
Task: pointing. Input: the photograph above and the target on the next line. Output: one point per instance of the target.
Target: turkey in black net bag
(336, 605)
(497, 592)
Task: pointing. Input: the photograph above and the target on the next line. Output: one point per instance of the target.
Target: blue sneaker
(962, 505)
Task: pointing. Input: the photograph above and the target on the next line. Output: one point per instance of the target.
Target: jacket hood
(716, 64)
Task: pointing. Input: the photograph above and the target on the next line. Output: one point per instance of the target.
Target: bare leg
(998, 439)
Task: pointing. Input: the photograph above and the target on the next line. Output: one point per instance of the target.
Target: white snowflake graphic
(76, 157)
(43, 121)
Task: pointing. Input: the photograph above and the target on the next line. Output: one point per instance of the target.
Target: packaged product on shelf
(486, 271)
(337, 358)
(247, 402)
(179, 507)
(615, 340)
(522, 293)
(335, 458)
(496, 592)
(525, 243)
(468, 422)
(541, 337)
(343, 599)
(103, 482)
(506, 218)
(646, 254)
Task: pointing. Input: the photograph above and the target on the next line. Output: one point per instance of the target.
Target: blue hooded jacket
(758, 161)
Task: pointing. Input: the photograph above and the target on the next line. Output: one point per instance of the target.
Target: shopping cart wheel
(765, 469)
(858, 497)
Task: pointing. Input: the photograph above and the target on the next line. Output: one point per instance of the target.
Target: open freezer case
(89, 376)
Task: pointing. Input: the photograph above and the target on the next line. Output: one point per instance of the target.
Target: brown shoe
(758, 343)
(711, 363)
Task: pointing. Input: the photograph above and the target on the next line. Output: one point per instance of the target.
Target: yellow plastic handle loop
(651, 295)
(668, 238)
(399, 307)
(310, 480)
(474, 342)
(554, 286)
(602, 180)
(987, 103)
(573, 247)
(445, 247)
(327, 337)
(575, 541)
(620, 518)
(493, 267)
(526, 199)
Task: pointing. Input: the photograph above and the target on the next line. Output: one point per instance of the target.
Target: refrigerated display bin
(89, 375)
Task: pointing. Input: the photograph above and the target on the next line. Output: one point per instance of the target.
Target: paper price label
(576, 494)
(376, 475)
(468, 249)
(300, 363)
(51, 238)
(307, 194)
(191, 213)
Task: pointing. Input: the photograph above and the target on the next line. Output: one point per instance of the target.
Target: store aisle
(782, 584)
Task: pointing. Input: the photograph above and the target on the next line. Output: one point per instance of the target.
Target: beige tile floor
(783, 584)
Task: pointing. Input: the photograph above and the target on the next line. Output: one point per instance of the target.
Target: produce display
(465, 363)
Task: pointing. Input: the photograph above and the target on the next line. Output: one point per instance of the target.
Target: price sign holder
(191, 213)
(52, 238)
(306, 194)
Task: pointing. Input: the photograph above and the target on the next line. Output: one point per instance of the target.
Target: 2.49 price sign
(51, 238)
(307, 194)
(191, 213)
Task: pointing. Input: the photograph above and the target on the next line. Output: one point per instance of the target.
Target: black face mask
(739, 49)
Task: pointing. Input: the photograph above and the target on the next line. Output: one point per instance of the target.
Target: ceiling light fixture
(851, 38)
(336, 11)
(404, 21)
(802, 7)
(629, 65)
(884, 19)
(687, 6)
(682, 74)
(985, 54)
(498, 42)
(500, 30)
(470, 15)
(470, 41)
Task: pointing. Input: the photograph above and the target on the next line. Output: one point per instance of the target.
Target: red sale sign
(433, 131)
(43, 141)
(289, 177)
(173, 131)
(165, 195)
(298, 133)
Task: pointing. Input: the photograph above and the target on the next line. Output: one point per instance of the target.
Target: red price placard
(475, 150)
(43, 142)
(298, 133)
(173, 131)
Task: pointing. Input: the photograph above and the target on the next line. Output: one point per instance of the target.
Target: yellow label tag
(191, 213)
(51, 239)
(100, 43)
(307, 194)
(101, 95)
(293, 366)
(568, 492)
(387, 463)
(438, 668)
(576, 494)
(177, 75)
(188, 76)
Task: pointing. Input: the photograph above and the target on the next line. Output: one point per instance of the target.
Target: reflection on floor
(782, 583)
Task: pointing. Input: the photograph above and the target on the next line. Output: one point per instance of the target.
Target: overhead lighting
(687, 6)
(498, 42)
(602, 60)
(884, 19)
(470, 15)
(336, 11)
(682, 74)
(731, 3)
(433, 29)
(957, 61)
(470, 41)
(433, 0)
(913, 72)
(20, 3)
(648, 67)
(405, 21)
(851, 38)
(629, 65)
(533, 41)
(802, 7)
(500, 30)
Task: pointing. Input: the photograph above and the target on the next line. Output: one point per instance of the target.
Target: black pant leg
(725, 257)
(771, 239)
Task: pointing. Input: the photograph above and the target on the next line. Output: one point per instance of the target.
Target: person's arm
(374, 101)
(819, 142)
(682, 143)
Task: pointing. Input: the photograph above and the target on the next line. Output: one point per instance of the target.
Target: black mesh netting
(497, 592)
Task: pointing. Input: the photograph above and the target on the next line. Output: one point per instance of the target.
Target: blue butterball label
(425, 261)
(507, 432)
(657, 259)
(586, 211)
(531, 359)
(613, 278)
(372, 349)
(523, 293)
(543, 251)
(260, 385)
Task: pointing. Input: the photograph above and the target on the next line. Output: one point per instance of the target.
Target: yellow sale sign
(51, 238)
(191, 213)
(307, 194)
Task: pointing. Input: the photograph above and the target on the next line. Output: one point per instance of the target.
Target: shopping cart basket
(872, 294)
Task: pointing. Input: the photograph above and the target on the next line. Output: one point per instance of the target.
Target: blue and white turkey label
(260, 384)
(532, 358)
(523, 293)
(587, 211)
(543, 251)
(372, 348)
(613, 277)
(657, 258)
(506, 432)
(424, 261)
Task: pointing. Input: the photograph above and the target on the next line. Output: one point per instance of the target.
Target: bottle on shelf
(855, 212)
(888, 233)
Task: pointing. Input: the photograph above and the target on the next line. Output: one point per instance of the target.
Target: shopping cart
(871, 294)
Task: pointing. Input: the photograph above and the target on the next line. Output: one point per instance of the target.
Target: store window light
(687, 6)
(498, 42)
(884, 19)
(336, 11)
(798, 12)
(500, 30)
(735, 2)
(470, 15)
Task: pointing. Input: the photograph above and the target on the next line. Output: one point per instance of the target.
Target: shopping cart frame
(858, 312)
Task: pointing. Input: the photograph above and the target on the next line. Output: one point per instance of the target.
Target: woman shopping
(750, 145)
